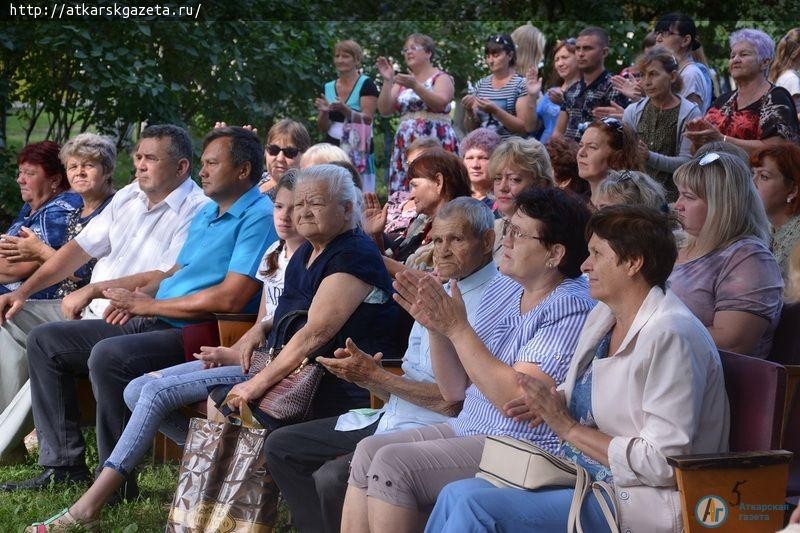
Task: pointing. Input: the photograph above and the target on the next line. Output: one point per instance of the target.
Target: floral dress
(772, 114)
(414, 127)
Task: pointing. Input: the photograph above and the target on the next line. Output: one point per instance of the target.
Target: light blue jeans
(154, 400)
(475, 505)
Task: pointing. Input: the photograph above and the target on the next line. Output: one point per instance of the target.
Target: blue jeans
(475, 505)
(154, 400)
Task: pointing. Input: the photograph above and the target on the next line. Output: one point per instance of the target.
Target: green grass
(148, 513)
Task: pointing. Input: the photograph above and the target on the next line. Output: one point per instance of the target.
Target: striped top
(547, 334)
(505, 97)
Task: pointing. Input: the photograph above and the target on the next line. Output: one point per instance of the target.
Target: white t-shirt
(273, 283)
(695, 82)
(790, 80)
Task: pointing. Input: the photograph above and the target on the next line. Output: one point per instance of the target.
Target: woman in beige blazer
(645, 382)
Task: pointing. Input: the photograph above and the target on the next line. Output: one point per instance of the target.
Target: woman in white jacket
(660, 119)
(645, 382)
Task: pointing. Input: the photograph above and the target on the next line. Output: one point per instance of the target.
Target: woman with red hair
(776, 174)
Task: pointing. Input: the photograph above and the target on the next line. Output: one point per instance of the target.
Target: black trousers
(59, 352)
(310, 462)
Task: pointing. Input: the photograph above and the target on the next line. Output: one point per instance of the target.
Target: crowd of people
(601, 229)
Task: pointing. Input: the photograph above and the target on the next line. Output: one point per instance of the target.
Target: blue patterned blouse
(580, 407)
(49, 223)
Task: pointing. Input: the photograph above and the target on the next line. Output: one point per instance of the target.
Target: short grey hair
(339, 183)
(91, 146)
(630, 187)
(763, 43)
(478, 216)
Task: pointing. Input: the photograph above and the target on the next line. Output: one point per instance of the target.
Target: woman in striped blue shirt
(528, 321)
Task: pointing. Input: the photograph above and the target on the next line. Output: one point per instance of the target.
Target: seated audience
(286, 141)
(755, 114)
(476, 149)
(563, 154)
(339, 277)
(661, 117)
(607, 144)
(436, 177)
(776, 173)
(155, 397)
(672, 402)
(310, 462)
(528, 323)
(516, 165)
(629, 187)
(140, 231)
(215, 271)
(725, 272)
(400, 207)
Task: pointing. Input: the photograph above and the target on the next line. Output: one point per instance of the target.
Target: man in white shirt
(138, 235)
(310, 461)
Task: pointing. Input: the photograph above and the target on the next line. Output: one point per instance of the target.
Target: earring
(549, 264)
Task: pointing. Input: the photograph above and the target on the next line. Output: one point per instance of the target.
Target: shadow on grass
(148, 513)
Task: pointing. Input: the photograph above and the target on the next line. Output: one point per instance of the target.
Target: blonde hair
(350, 47)
(792, 291)
(530, 43)
(322, 153)
(630, 187)
(734, 211)
(786, 54)
(529, 156)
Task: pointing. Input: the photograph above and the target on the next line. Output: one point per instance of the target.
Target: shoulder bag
(510, 462)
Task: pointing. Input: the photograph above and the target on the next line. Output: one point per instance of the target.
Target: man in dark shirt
(594, 89)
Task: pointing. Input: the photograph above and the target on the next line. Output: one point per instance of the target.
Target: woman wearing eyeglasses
(527, 322)
(286, 142)
(423, 100)
(606, 144)
(565, 73)
(725, 272)
(757, 113)
(660, 118)
(678, 33)
(500, 101)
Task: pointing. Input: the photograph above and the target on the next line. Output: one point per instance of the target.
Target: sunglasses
(289, 151)
(568, 41)
(501, 40)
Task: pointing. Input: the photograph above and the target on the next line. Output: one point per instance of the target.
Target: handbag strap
(583, 484)
(283, 325)
(598, 487)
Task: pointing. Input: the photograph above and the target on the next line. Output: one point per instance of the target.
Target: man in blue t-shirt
(215, 272)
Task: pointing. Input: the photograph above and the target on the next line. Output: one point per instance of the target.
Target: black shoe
(57, 474)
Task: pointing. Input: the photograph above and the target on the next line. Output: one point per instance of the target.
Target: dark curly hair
(563, 153)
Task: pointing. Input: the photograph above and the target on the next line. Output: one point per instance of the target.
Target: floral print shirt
(772, 114)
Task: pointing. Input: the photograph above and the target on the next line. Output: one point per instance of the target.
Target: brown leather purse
(290, 399)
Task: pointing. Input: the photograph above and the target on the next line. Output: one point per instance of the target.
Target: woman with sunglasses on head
(423, 100)
(660, 118)
(286, 141)
(757, 113)
(565, 73)
(725, 272)
(606, 144)
(500, 101)
(678, 33)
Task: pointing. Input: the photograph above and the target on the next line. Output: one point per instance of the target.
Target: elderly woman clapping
(757, 113)
(340, 278)
(645, 382)
(528, 321)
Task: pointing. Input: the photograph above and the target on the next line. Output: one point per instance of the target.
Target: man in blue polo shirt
(215, 272)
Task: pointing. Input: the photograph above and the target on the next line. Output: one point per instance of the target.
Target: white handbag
(520, 464)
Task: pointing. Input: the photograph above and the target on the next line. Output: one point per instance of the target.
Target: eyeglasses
(513, 232)
(289, 151)
(412, 48)
(570, 41)
(709, 158)
(665, 33)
